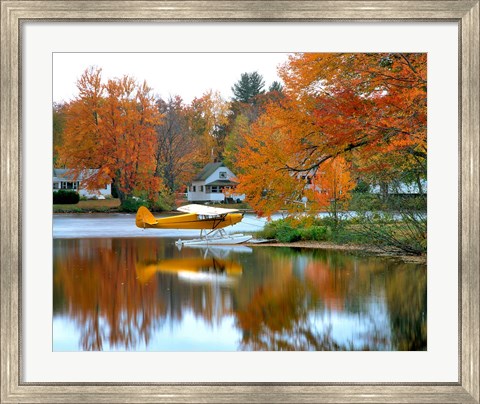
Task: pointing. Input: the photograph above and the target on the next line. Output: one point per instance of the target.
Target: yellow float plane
(209, 220)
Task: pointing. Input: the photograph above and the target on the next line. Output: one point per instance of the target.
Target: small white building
(401, 188)
(211, 184)
(63, 179)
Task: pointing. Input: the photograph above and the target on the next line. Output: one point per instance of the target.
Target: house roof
(207, 171)
(222, 182)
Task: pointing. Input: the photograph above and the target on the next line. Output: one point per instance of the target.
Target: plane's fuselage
(190, 221)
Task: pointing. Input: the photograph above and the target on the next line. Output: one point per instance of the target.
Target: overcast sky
(186, 74)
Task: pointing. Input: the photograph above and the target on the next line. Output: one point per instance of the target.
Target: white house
(210, 183)
(63, 179)
(401, 188)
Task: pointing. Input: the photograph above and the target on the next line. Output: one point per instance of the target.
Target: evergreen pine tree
(249, 86)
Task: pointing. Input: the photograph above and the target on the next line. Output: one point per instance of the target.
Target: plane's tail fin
(144, 216)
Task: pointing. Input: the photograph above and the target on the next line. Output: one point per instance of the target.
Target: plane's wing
(205, 210)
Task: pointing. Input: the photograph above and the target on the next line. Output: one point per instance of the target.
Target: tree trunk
(384, 191)
(121, 194)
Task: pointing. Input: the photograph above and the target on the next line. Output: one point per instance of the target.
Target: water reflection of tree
(407, 303)
(284, 319)
(278, 312)
(277, 319)
(98, 282)
(96, 285)
(276, 302)
(278, 316)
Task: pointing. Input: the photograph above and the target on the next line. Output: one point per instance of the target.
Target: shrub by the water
(316, 233)
(65, 197)
(132, 204)
(163, 202)
(308, 229)
(274, 228)
(288, 234)
(289, 230)
(270, 230)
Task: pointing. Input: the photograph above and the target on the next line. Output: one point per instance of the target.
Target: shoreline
(367, 249)
(310, 244)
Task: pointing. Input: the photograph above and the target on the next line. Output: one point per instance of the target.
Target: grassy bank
(391, 236)
(89, 206)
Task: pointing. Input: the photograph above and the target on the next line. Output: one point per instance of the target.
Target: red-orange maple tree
(332, 185)
(374, 103)
(111, 127)
(368, 108)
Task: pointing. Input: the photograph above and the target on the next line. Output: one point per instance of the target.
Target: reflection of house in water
(208, 296)
(202, 281)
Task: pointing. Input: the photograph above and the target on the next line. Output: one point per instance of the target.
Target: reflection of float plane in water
(189, 268)
(209, 220)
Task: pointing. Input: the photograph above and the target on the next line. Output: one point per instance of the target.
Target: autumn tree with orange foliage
(332, 185)
(242, 116)
(208, 118)
(371, 104)
(368, 108)
(111, 127)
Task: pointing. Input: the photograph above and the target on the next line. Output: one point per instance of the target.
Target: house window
(201, 188)
(208, 189)
(223, 174)
(215, 189)
(66, 185)
(194, 188)
(56, 185)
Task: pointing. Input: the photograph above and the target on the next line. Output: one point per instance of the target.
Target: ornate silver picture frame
(466, 14)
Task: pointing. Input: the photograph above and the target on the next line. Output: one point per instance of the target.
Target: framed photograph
(231, 112)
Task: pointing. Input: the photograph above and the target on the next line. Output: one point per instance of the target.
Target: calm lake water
(118, 288)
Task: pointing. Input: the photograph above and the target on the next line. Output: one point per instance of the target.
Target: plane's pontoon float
(209, 220)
